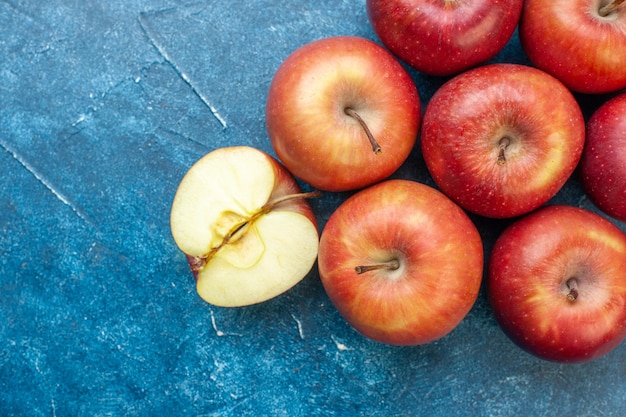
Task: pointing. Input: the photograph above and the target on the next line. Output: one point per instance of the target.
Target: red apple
(580, 42)
(246, 229)
(342, 113)
(603, 163)
(401, 262)
(444, 37)
(502, 139)
(557, 284)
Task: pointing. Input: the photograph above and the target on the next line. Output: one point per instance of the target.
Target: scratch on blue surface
(22, 12)
(179, 135)
(299, 323)
(168, 58)
(340, 346)
(217, 331)
(437, 384)
(51, 187)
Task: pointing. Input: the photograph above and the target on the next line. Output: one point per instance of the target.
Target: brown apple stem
(198, 262)
(502, 145)
(610, 7)
(572, 285)
(271, 204)
(391, 265)
(352, 113)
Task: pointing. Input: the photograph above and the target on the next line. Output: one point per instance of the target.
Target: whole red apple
(444, 37)
(401, 262)
(342, 113)
(603, 163)
(557, 284)
(502, 139)
(580, 42)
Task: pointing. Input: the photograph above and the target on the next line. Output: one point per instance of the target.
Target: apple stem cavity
(502, 145)
(198, 262)
(610, 7)
(391, 265)
(572, 285)
(352, 113)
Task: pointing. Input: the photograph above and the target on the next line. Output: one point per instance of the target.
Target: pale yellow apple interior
(288, 243)
(267, 257)
(222, 189)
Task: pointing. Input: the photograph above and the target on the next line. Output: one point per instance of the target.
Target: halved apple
(247, 229)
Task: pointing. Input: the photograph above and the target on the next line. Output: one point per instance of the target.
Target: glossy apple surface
(580, 42)
(401, 262)
(603, 163)
(309, 119)
(248, 232)
(444, 37)
(557, 284)
(502, 139)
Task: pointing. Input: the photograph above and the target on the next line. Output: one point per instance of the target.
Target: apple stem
(572, 285)
(502, 145)
(392, 265)
(609, 8)
(375, 146)
(271, 204)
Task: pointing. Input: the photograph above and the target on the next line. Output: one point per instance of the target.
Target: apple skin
(466, 123)
(440, 256)
(571, 41)
(245, 240)
(603, 163)
(444, 37)
(528, 273)
(306, 120)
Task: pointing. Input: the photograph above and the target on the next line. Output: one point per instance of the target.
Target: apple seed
(352, 113)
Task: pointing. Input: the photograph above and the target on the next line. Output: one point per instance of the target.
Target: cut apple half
(247, 229)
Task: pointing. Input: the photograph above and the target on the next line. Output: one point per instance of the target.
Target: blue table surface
(104, 105)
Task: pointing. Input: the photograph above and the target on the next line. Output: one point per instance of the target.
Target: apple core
(239, 227)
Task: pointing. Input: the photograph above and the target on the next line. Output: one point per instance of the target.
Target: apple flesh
(557, 284)
(580, 42)
(444, 37)
(603, 163)
(401, 262)
(342, 113)
(502, 139)
(247, 230)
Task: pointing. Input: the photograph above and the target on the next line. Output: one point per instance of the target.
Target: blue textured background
(104, 105)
